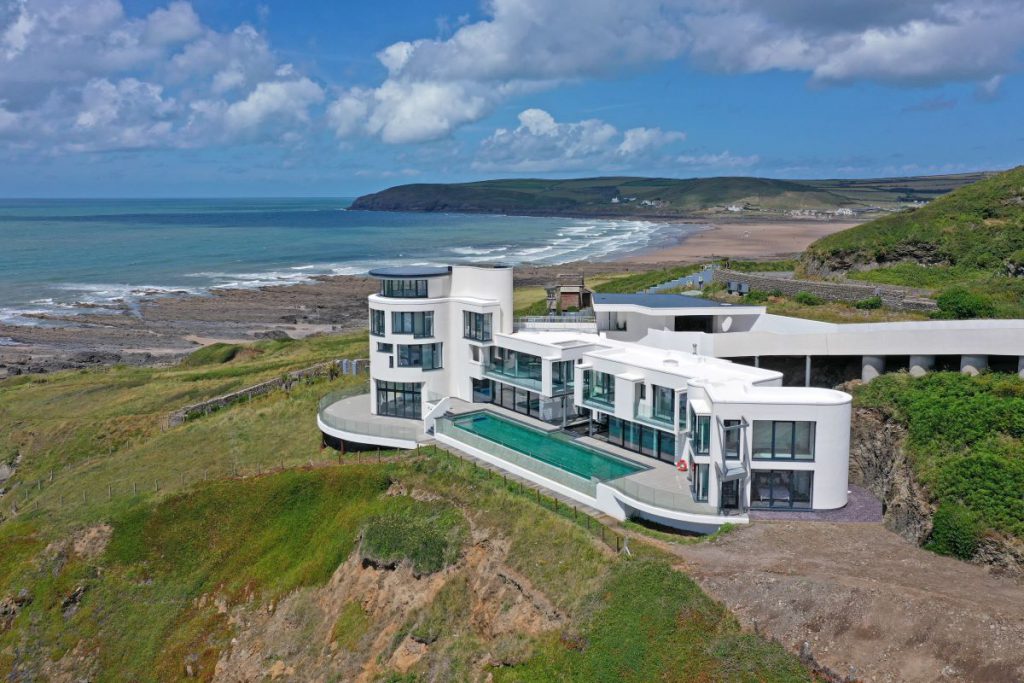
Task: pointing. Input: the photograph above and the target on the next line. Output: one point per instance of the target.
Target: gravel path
(865, 603)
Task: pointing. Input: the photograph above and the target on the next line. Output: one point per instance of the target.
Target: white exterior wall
(466, 288)
(831, 462)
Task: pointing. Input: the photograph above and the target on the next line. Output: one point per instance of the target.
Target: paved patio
(862, 506)
(353, 414)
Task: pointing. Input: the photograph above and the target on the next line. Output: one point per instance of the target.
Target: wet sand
(164, 329)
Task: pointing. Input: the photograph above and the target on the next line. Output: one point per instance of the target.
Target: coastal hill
(663, 197)
(978, 227)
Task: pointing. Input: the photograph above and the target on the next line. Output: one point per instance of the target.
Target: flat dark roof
(410, 272)
(659, 301)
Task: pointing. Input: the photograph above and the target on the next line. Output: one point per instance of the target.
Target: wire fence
(61, 495)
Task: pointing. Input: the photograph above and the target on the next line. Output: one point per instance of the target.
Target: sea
(74, 255)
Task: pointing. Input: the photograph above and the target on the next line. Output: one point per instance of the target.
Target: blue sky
(122, 98)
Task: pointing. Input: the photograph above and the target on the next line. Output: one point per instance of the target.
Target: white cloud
(84, 76)
(541, 144)
(720, 161)
(282, 100)
(434, 86)
(636, 140)
(176, 23)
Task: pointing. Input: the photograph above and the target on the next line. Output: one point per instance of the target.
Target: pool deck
(658, 475)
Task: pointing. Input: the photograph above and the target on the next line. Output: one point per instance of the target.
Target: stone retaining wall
(892, 297)
(342, 366)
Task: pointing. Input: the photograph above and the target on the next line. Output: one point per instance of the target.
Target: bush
(808, 299)
(756, 296)
(871, 303)
(958, 303)
(955, 531)
(428, 535)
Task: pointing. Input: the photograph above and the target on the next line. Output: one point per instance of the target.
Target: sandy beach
(163, 329)
(751, 239)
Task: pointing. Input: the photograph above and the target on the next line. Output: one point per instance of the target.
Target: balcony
(604, 401)
(519, 379)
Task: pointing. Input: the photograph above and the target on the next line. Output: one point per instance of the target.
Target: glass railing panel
(646, 413)
(495, 372)
(408, 432)
(678, 501)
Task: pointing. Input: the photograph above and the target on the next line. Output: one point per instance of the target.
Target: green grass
(634, 636)
(156, 598)
(635, 282)
(105, 428)
(350, 627)
(214, 354)
(978, 226)
(965, 438)
(427, 535)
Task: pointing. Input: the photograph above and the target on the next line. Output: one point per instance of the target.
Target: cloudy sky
(121, 98)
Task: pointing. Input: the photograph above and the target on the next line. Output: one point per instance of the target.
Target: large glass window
(682, 411)
(426, 356)
(376, 322)
(701, 436)
(404, 289)
(663, 404)
(399, 399)
(562, 377)
(782, 489)
(417, 323)
(731, 438)
(701, 482)
(599, 387)
(642, 439)
(477, 326)
(783, 440)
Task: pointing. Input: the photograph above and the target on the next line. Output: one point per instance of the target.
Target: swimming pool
(547, 448)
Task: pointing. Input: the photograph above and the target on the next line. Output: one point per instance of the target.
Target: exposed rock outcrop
(879, 462)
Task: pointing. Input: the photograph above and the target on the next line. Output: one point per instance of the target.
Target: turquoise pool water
(565, 455)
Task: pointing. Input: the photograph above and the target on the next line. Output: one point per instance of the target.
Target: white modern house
(636, 410)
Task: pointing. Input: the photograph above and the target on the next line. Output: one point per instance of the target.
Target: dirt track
(869, 605)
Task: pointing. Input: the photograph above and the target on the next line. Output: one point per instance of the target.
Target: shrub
(428, 535)
(808, 299)
(959, 303)
(756, 296)
(871, 303)
(955, 531)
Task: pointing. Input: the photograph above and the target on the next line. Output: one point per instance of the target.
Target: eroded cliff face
(879, 463)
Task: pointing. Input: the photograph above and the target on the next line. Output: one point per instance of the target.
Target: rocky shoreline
(163, 329)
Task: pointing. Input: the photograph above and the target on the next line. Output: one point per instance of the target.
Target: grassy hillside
(419, 567)
(969, 244)
(980, 226)
(966, 440)
(653, 196)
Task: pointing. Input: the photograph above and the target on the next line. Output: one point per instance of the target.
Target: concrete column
(972, 365)
(920, 365)
(871, 367)
(1020, 367)
(757, 361)
(807, 371)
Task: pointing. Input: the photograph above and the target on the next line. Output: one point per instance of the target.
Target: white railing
(577, 323)
(445, 426)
